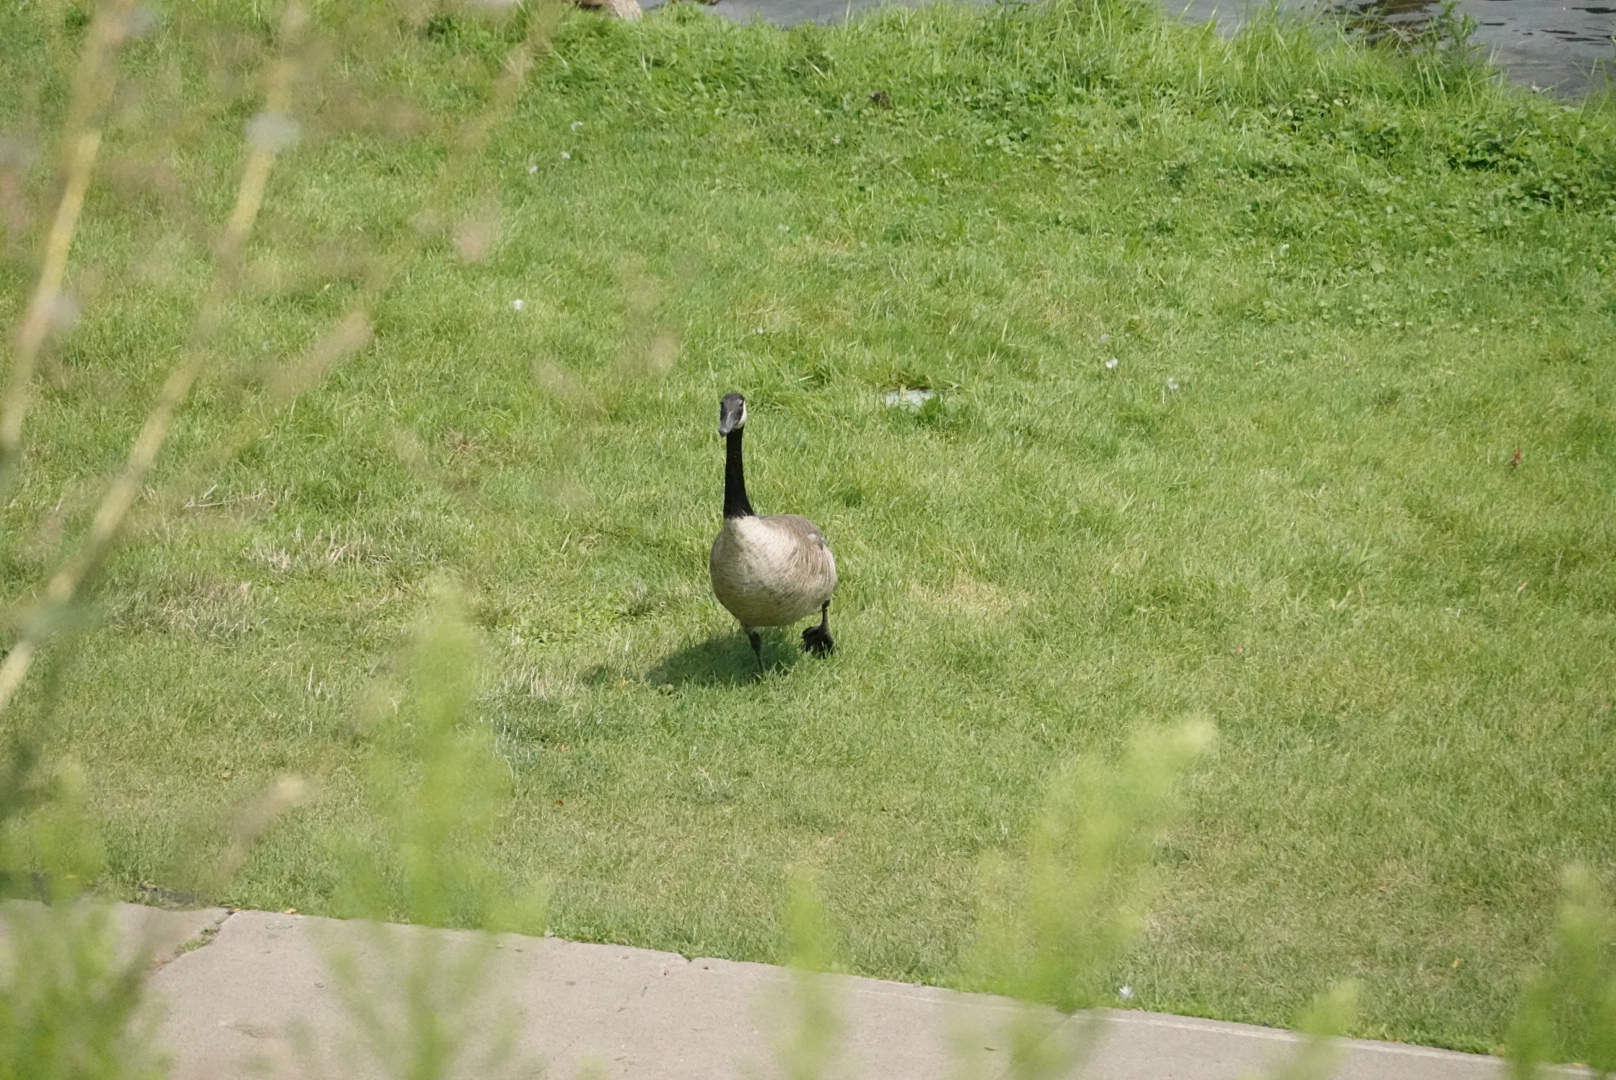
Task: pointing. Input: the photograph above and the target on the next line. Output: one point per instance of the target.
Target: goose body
(767, 570)
(771, 571)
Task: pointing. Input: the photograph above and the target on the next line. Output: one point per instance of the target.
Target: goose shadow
(724, 660)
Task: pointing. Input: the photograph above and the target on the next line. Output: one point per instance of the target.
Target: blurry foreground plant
(806, 1040)
(70, 989)
(1321, 1026)
(61, 591)
(70, 996)
(1056, 925)
(437, 788)
(93, 82)
(419, 998)
(1568, 1012)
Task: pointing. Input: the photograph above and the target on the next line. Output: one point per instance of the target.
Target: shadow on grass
(724, 660)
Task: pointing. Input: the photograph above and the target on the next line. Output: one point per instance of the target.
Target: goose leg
(817, 639)
(757, 646)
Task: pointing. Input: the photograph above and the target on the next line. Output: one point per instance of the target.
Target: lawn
(1272, 381)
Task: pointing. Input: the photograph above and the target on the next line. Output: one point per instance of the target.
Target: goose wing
(799, 527)
(815, 566)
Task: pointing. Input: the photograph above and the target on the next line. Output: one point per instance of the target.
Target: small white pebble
(576, 124)
(565, 156)
(517, 304)
(1111, 364)
(531, 169)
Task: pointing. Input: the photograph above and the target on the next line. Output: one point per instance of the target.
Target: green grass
(1370, 280)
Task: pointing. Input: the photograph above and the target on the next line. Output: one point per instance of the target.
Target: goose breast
(771, 571)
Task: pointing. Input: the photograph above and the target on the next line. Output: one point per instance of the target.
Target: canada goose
(768, 571)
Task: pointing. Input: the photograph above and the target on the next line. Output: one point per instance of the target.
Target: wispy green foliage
(71, 996)
(70, 984)
(1568, 1011)
(1055, 924)
(807, 1025)
(106, 95)
(424, 1006)
(49, 848)
(1369, 281)
(1080, 898)
(421, 1001)
(438, 792)
(1330, 1016)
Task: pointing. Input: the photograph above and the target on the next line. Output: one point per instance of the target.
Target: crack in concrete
(200, 940)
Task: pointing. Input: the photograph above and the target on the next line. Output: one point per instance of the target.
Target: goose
(767, 571)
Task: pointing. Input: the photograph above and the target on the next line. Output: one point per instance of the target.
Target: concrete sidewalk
(254, 994)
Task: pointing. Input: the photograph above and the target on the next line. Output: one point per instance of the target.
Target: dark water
(1563, 47)
(1551, 45)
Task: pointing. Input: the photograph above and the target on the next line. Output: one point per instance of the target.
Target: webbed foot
(817, 639)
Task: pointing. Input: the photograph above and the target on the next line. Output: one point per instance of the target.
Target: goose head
(731, 414)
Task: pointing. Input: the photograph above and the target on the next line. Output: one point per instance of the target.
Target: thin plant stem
(353, 330)
(92, 88)
(349, 335)
(110, 515)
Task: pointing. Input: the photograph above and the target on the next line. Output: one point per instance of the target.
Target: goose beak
(731, 414)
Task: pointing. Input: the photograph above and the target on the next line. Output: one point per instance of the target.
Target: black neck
(735, 501)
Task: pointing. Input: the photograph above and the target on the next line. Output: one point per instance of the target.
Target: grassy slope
(1368, 288)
